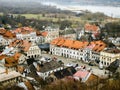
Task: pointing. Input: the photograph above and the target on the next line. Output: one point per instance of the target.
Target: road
(95, 69)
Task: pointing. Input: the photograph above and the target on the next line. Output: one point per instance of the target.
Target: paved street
(95, 69)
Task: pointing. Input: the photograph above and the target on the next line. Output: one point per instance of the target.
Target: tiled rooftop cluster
(74, 44)
(7, 33)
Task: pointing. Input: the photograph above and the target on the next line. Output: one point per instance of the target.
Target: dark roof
(33, 70)
(49, 66)
(45, 46)
(113, 50)
(65, 72)
(114, 65)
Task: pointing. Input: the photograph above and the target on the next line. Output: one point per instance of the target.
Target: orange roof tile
(68, 43)
(2, 56)
(77, 45)
(23, 30)
(2, 31)
(7, 33)
(61, 42)
(11, 61)
(95, 45)
(44, 34)
(99, 46)
(22, 44)
(26, 45)
(90, 27)
(17, 56)
(55, 41)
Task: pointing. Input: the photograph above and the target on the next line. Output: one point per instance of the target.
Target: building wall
(46, 74)
(70, 36)
(34, 51)
(52, 34)
(81, 54)
(10, 82)
(107, 58)
(30, 37)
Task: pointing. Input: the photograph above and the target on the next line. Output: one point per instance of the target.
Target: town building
(49, 67)
(115, 41)
(68, 33)
(6, 37)
(50, 33)
(9, 78)
(108, 56)
(18, 52)
(89, 29)
(27, 33)
(80, 50)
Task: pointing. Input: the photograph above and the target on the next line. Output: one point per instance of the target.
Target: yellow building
(108, 56)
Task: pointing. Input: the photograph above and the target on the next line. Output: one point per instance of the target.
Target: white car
(69, 65)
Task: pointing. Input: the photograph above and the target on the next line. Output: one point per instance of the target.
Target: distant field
(51, 17)
(29, 16)
(40, 17)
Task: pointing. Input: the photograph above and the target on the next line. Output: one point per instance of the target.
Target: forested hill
(27, 6)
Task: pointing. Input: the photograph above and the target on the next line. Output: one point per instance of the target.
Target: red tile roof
(69, 43)
(24, 30)
(94, 45)
(44, 34)
(7, 33)
(22, 44)
(81, 74)
(2, 56)
(89, 27)
(99, 46)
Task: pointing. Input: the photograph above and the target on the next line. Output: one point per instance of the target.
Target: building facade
(108, 56)
(76, 49)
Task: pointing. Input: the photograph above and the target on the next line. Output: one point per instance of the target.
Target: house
(68, 71)
(29, 49)
(18, 52)
(47, 68)
(34, 51)
(96, 48)
(50, 33)
(6, 37)
(82, 75)
(89, 28)
(27, 33)
(108, 56)
(115, 41)
(68, 34)
(9, 78)
(113, 67)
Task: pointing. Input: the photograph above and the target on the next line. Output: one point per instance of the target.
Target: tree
(64, 24)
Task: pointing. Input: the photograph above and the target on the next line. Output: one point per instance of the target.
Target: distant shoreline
(107, 10)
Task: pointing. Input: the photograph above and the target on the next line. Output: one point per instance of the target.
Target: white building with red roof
(80, 50)
(27, 33)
